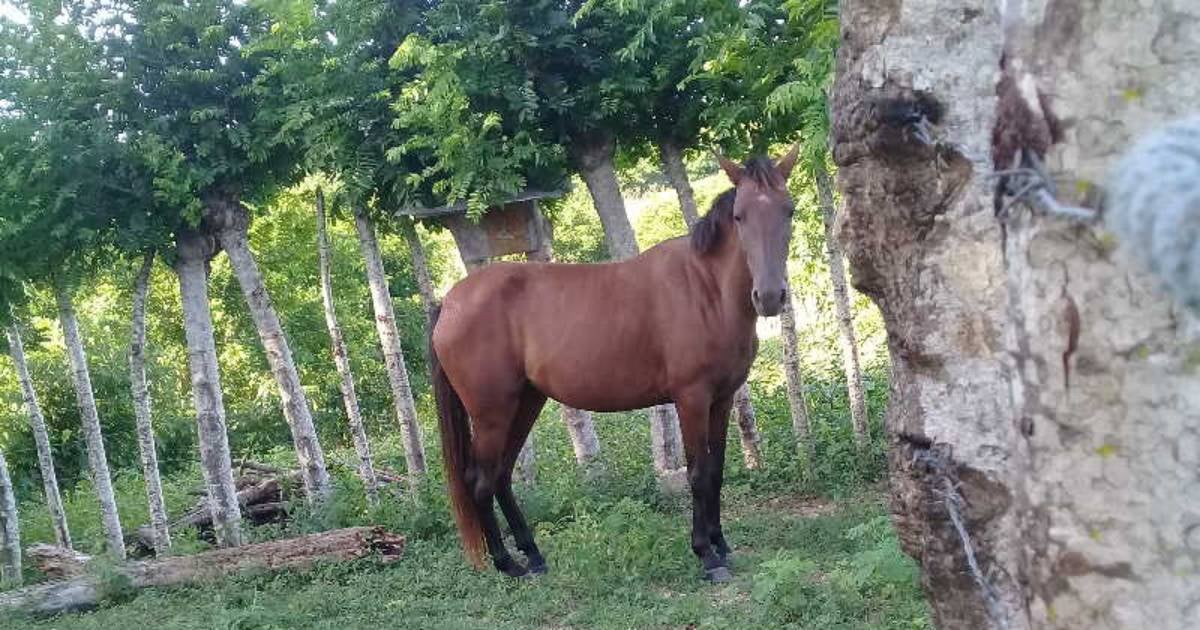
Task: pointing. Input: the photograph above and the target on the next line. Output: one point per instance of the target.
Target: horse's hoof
(538, 569)
(718, 575)
(516, 571)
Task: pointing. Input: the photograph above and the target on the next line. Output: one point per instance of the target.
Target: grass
(617, 564)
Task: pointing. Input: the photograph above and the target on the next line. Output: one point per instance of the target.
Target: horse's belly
(600, 381)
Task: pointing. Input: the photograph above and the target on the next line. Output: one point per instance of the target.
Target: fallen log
(56, 562)
(85, 590)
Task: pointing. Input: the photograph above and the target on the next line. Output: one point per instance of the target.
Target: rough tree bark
(193, 252)
(92, 435)
(794, 379)
(593, 157)
(141, 409)
(841, 304)
(1035, 368)
(582, 429)
(229, 221)
(420, 263)
(341, 359)
(743, 407)
(41, 438)
(389, 339)
(10, 530)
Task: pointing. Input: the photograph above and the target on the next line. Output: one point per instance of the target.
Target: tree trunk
(389, 339)
(420, 269)
(841, 303)
(582, 430)
(743, 408)
(794, 376)
(676, 172)
(98, 461)
(10, 530)
(594, 159)
(341, 359)
(141, 409)
(1044, 409)
(41, 438)
(747, 424)
(292, 554)
(229, 221)
(193, 251)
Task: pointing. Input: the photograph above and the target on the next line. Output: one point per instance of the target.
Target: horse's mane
(707, 232)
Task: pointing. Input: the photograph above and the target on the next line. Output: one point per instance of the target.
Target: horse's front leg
(718, 430)
(694, 412)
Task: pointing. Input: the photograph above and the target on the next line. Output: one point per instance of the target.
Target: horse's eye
(737, 217)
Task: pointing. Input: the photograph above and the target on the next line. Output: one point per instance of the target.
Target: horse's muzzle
(769, 303)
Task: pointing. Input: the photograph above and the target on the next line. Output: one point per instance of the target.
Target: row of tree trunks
(673, 166)
(84, 591)
(92, 435)
(194, 250)
(1044, 409)
(141, 408)
(10, 530)
(41, 438)
(389, 339)
(229, 221)
(341, 360)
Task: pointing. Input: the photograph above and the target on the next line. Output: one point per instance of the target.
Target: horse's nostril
(782, 295)
(754, 294)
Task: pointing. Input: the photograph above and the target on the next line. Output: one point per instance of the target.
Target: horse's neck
(727, 264)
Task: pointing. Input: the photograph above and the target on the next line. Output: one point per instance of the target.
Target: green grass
(619, 564)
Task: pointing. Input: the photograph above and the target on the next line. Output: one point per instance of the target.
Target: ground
(799, 562)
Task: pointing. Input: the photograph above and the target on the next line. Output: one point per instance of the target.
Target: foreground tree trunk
(230, 222)
(794, 377)
(389, 339)
(141, 409)
(92, 435)
(41, 438)
(743, 407)
(1043, 406)
(10, 530)
(85, 590)
(341, 359)
(841, 304)
(193, 252)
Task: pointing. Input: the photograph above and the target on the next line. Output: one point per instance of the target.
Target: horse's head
(762, 213)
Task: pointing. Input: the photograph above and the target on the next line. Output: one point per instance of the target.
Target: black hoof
(539, 569)
(718, 575)
(515, 570)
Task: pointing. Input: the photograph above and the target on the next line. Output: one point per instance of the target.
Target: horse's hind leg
(489, 444)
(531, 405)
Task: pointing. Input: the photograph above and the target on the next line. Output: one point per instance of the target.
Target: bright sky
(10, 12)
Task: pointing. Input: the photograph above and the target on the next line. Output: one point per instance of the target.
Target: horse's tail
(454, 426)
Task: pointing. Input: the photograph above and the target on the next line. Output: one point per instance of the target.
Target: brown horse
(675, 324)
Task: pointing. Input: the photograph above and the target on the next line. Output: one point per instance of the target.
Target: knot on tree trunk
(224, 213)
(195, 246)
(592, 150)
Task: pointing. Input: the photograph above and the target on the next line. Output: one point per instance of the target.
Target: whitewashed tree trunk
(794, 380)
(743, 408)
(341, 359)
(92, 435)
(841, 304)
(41, 439)
(1038, 371)
(582, 430)
(10, 528)
(193, 252)
(420, 264)
(141, 409)
(230, 222)
(389, 339)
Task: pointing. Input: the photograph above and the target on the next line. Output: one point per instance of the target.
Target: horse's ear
(732, 169)
(788, 162)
